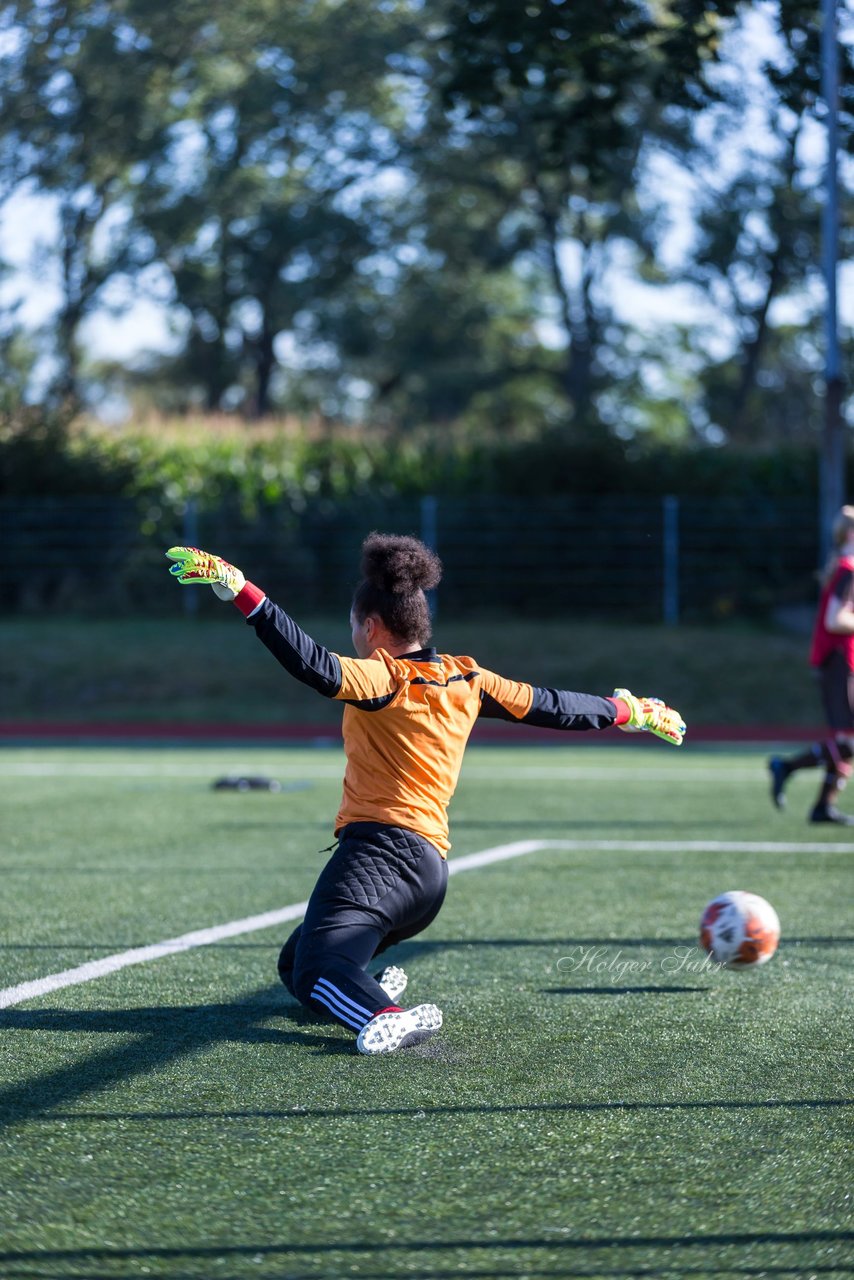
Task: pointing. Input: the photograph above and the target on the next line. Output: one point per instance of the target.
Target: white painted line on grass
(140, 955)
(701, 846)
(498, 853)
(204, 937)
(690, 771)
(172, 771)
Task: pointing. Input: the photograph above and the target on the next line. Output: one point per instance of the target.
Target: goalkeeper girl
(408, 713)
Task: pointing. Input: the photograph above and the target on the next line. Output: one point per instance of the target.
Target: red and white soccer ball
(739, 929)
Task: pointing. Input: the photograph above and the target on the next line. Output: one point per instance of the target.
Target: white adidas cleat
(389, 1031)
(393, 982)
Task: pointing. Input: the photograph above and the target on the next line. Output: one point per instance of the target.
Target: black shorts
(837, 693)
(381, 886)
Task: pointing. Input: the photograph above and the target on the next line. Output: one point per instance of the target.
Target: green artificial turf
(599, 1102)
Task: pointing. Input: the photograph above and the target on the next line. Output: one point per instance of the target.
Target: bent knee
(286, 968)
(303, 977)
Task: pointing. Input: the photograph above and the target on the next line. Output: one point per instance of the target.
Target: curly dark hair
(396, 571)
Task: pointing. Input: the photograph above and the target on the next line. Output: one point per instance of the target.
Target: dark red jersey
(824, 642)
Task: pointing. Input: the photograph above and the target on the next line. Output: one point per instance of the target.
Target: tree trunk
(67, 384)
(753, 350)
(574, 313)
(265, 363)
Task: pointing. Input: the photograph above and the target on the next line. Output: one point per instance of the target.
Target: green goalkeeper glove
(195, 566)
(651, 715)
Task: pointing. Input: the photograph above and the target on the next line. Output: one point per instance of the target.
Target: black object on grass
(240, 782)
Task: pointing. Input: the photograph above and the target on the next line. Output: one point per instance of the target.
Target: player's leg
(332, 953)
(287, 957)
(330, 976)
(782, 768)
(835, 752)
(838, 696)
(391, 978)
(415, 904)
(825, 808)
(380, 880)
(418, 925)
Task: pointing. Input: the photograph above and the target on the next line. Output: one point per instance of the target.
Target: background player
(832, 654)
(408, 713)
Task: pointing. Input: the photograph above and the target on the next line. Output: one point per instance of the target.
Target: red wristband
(249, 598)
(624, 714)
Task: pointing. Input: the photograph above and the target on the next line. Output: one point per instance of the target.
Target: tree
(759, 241)
(258, 202)
(79, 115)
(561, 100)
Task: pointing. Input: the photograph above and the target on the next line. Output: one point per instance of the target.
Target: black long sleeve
(555, 709)
(302, 657)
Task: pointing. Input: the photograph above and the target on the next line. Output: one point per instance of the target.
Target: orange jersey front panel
(406, 725)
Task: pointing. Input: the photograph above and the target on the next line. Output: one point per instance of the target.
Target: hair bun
(399, 565)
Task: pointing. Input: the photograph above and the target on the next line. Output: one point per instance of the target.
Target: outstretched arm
(562, 709)
(502, 699)
(302, 657)
(298, 653)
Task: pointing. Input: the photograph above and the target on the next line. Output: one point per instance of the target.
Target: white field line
(174, 771)
(498, 853)
(700, 846)
(140, 955)
(500, 772)
(204, 937)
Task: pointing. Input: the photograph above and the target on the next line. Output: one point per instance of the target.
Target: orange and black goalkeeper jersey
(407, 720)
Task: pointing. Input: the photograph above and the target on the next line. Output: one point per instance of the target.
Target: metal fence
(636, 559)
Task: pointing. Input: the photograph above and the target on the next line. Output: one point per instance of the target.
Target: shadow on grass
(494, 1273)
(409, 1247)
(616, 991)
(153, 1037)
(417, 946)
(359, 1114)
(159, 1036)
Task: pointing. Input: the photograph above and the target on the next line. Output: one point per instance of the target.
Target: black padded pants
(382, 884)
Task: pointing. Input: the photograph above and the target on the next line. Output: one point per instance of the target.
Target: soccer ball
(739, 929)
